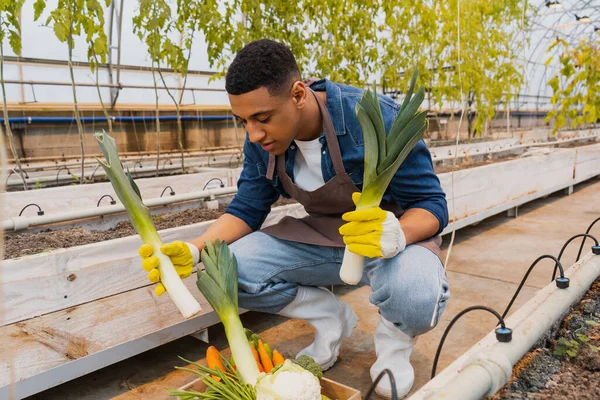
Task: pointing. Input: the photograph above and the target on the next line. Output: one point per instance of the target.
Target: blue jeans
(405, 287)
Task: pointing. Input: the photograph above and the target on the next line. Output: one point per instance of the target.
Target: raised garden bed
(22, 244)
(566, 365)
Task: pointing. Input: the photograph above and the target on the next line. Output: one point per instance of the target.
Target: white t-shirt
(307, 166)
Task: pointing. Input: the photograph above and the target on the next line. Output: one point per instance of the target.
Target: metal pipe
(126, 154)
(108, 85)
(68, 120)
(90, 162)
(20, 223)
(487, 366)
(84, 64)
(99, 174)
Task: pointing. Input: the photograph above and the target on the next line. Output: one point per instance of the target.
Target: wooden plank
(587, 163)
(329, 388)
(482, 188)
(44, 283)
(82, 339)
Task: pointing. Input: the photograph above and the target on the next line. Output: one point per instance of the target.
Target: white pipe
(487, 150)
(487, 366)
(24, 222)
(149, 170)
(196, 154)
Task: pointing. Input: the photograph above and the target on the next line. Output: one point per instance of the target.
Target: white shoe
(333, 320)
(393, 348)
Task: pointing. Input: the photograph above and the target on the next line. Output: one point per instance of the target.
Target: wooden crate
(331, 389)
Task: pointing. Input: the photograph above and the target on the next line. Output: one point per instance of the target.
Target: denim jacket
(415, 185)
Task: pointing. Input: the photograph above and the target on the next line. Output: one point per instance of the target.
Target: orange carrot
(255, 353)
(213, 358)
(264, 357)
(277, 358)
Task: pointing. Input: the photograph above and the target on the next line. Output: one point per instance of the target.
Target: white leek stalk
(219, 284)
(140, 217)
(383, 156)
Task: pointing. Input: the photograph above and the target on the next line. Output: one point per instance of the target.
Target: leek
(129, 194)
(383, 156)
(219, 284)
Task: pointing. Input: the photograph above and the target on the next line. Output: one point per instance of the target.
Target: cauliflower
(290, 382)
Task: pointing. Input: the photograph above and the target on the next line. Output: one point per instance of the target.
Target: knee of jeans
(411, 305)
(245, 251)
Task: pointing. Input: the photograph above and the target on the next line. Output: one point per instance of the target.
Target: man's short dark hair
(262, 63)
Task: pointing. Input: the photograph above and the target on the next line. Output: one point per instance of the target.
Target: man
(305, 142)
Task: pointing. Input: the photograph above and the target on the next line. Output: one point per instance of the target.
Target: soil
(34, 243)
(546, 373)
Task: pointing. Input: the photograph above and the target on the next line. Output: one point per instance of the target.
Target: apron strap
(331, 137)
(271, 167)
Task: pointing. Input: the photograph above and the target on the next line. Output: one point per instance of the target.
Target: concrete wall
(62, 140)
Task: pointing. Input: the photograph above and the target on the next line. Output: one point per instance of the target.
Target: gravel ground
(546, 373)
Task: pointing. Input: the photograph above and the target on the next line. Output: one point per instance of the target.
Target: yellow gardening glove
(372, 232)
(183, 255)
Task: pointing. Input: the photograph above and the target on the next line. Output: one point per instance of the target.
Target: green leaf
(370, 102)
(583, 338)
(564, 341)
(134, 185)
(592, 323)
(400, 139)
(14, 40)
(403, 118)
(61, 31)
(38, 8)
(373, 191)
(370, 147)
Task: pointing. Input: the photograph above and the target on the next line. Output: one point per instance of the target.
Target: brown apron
(326, 204)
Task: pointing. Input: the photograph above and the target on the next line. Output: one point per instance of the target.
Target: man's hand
(183, 255)
(372, 232)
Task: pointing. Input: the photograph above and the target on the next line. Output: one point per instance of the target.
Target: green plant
(11, 29)
(383, 155)
(219, 284)
(152, 24)
(571, 347)
(139, 215)
(576, 87)
(72, 18)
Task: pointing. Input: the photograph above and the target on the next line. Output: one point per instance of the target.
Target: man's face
(271, 121)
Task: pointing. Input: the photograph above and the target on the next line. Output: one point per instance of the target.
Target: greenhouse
(261, 200)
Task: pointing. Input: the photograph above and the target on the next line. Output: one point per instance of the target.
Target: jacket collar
(334, 103)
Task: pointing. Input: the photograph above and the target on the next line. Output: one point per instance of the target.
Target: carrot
(264, 357)
(213, 358)
(255, 353)
(277, 358)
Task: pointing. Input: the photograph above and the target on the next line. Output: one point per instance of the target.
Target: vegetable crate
(329, 388)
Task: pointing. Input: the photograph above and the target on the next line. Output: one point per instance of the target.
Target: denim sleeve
(252, 203)
(416, 185)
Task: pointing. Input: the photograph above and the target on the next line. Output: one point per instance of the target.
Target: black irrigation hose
(585, 238)
(595, 248)
(379, 377)
(112, 200)
(503, 334)
(172, 193)
(40, 212)
(213, 179)
(561, 282)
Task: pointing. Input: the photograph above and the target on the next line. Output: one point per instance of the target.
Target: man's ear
(299, 93)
